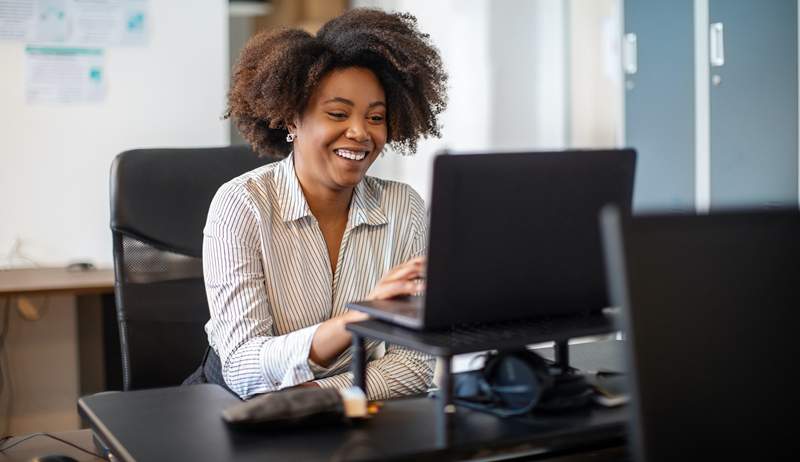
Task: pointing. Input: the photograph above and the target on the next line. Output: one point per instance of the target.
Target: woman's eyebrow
(339, 99)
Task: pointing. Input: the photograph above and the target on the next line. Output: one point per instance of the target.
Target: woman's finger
(415, 266)
(418, 260)
(392, 289)
(404, 274)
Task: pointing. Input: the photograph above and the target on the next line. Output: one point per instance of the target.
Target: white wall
(505, 59)
(54, 160)
(460, 30)
(528, 74)
(54, 164)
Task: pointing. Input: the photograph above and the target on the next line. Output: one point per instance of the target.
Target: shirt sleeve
(241, 326)
(400, 372)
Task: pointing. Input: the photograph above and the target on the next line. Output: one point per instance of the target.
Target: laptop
(514, 236)
(710, 311)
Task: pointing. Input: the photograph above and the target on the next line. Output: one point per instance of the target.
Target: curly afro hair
(278, 71)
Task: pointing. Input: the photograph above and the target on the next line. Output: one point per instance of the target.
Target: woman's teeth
(352, 155)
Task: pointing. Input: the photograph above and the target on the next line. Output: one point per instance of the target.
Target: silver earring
(290, 137)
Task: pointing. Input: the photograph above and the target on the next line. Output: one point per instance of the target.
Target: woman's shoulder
(252, 189)
(395, 195)
(253, 182)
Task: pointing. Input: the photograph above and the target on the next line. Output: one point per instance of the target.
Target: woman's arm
(254, 360)
(331, 339)
(401, 372)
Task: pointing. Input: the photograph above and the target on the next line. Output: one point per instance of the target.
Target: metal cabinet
(711, 102)
(659, 101)
(753, 102)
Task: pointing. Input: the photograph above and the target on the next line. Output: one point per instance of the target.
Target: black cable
(3, 334)
(49, 436)
(7, 311)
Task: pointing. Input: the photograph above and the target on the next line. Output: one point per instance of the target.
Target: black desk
(184, 423)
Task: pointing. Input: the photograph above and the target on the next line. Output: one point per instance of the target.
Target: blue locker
(753, 103)
(659, 101)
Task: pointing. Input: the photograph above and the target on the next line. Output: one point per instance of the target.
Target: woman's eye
(337, 115)
(376, 118)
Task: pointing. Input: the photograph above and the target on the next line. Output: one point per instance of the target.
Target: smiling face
(341, 132)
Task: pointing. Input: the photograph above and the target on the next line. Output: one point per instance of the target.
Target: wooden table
(99, 356)
(54, 281)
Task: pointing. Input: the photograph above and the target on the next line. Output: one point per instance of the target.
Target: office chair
(159, 203)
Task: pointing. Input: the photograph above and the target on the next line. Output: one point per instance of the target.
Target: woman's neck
(326, 204)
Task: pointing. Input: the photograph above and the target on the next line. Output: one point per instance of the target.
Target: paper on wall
(75, 22)
(64, 75)
(16, 19)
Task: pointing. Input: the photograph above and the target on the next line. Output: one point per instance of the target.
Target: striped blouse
(269, 281)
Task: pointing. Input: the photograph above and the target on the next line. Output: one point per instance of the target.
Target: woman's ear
(294, 124)
(292, 129)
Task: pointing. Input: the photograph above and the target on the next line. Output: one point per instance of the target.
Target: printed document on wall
(16, 19)
(64, 75)
(75, 22)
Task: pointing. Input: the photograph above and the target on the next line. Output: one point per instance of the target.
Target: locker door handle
(716, 43)
(630, 60)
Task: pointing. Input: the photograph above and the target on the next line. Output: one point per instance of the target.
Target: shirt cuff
(318, 370)
(284, 359)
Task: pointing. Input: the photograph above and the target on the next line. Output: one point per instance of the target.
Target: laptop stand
(446, 343)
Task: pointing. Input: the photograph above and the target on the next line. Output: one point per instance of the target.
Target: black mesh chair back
(159, 203)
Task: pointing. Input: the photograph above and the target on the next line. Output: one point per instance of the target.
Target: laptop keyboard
(464, 335)
(481, 333)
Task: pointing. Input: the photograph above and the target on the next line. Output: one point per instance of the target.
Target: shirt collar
(365, 207)
(290, 194)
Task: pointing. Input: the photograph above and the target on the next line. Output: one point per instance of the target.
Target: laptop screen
(515, 235)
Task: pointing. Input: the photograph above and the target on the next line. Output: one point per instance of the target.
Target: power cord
(3, 368)
(16, 254)
(34, 435)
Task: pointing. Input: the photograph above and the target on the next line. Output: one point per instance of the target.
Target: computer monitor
(710, 309)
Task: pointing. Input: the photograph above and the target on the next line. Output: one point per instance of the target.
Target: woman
(287, 245)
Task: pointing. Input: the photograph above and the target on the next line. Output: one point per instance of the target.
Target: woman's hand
(307, 385)
(332, 337)
(353, 316)
(404, 279)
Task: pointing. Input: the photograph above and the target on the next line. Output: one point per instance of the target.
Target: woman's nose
(357, 132)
